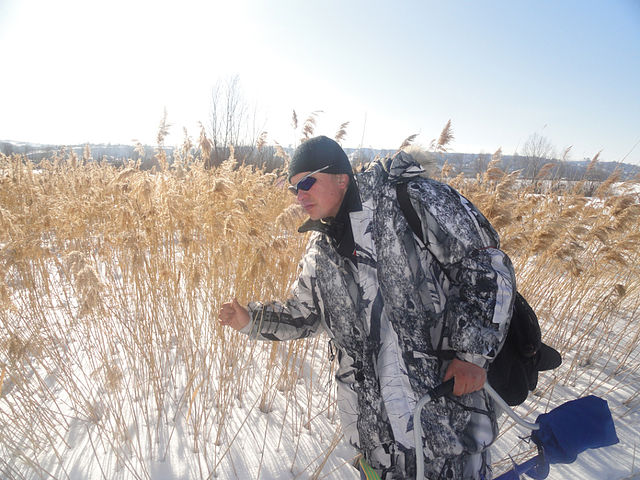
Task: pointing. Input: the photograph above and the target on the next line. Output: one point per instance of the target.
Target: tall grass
(110, 287)
(577, 261)
(111, 279)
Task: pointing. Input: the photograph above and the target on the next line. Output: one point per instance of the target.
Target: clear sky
(76, 71)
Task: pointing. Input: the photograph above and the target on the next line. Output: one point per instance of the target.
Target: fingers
(467, 383)
(236, 306)
(462, 387)
(234, 315)
(226, 313)
(468, 377)
(460, 384)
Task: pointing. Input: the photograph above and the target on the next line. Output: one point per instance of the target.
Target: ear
(343, 180)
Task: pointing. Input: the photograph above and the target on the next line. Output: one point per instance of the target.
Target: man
(403, 315)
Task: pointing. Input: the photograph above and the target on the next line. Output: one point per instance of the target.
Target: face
(324, 197)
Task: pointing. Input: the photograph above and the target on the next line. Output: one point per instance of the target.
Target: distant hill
(468, 164)
(116, 154)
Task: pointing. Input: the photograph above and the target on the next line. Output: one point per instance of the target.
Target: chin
(313, 215)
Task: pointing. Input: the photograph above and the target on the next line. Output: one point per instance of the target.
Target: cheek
(338, 192)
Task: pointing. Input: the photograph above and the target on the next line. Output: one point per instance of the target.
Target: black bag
(514, 371)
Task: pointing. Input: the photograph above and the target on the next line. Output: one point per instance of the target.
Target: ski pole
(444, 389)
(507, 409)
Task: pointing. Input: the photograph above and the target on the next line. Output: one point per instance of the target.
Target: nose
(300, 196)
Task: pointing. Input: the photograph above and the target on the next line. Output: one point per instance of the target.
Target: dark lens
(306, 183)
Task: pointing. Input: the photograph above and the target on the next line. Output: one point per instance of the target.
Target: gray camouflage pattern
(388, 316)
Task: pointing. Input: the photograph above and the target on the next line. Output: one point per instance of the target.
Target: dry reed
(112, 278)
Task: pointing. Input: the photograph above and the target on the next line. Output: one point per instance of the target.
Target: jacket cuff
(247, 328)
(474, 358)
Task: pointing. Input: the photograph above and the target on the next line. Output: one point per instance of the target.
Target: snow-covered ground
(293, 434)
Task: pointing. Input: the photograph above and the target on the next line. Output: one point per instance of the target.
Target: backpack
(514, 371)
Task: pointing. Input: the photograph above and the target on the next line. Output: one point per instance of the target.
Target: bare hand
(467, 376)
(234, 315)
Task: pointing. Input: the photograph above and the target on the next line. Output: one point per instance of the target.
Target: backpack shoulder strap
(407, 209)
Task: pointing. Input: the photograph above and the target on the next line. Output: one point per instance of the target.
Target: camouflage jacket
(392, 312)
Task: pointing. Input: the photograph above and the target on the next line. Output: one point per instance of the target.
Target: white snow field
(200, 403)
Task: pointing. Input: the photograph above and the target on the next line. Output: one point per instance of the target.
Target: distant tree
(537, 151)
(456, 161)
(481, 163)
(6, 148)
(231, 124)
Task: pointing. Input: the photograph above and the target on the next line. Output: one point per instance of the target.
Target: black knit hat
(319, 152)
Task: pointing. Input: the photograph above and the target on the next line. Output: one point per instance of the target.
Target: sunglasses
(306, 182)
